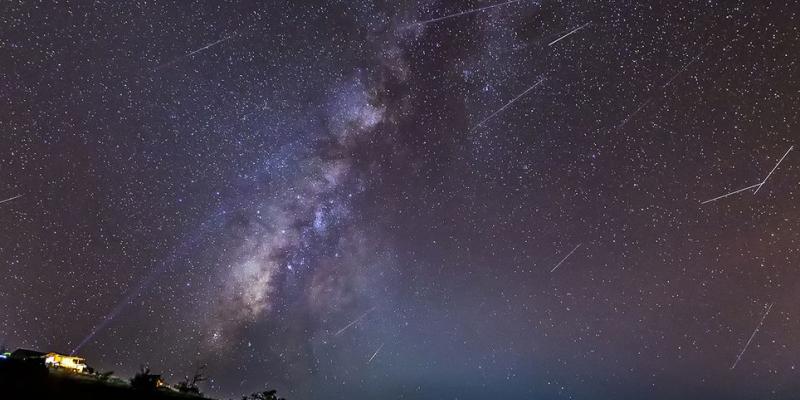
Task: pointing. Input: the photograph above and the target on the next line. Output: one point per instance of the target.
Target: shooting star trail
(507, 104)
(10, 198)
(682, 70)
(641, 106)
(663, 87)
(193, 52)
(458, 14)
(757, 185)
(773, 169)
(566, 257)
(664, 128)
(732, 193)
(763, 317)
(376, 353)
(569, 33)
(354, 322)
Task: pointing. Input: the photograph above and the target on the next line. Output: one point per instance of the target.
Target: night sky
(360, 200)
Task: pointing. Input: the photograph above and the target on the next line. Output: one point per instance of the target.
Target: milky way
(407, 199)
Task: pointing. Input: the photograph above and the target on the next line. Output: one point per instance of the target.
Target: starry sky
(419, 199)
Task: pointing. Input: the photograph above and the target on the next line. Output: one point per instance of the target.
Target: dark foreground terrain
(20, 380)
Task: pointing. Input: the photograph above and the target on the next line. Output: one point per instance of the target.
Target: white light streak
(569, 33)
(565, 258)
(763, 317)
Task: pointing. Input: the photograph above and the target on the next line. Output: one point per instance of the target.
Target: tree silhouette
(190, 385)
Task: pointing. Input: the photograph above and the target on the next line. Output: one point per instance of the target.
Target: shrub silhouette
(102, 376)
(265, 395)
(145, 381)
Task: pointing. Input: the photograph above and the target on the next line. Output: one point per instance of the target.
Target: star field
(407, 199)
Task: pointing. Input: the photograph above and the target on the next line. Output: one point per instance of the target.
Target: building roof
(23, 354)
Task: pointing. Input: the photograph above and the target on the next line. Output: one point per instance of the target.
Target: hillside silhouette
(31, 378)
(25, 380)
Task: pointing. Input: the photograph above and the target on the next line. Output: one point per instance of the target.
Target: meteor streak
(354, 322)
(458, 14)
(376, 353)
(507, 104)
(569, 33)
(746, 345)
(685, 67)
(193, 52)
(757, 186)
(663, 128)
(10, 198)
(641, 106)
(663, 88)
(565, 258)
(731, 193)
(773, 169)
